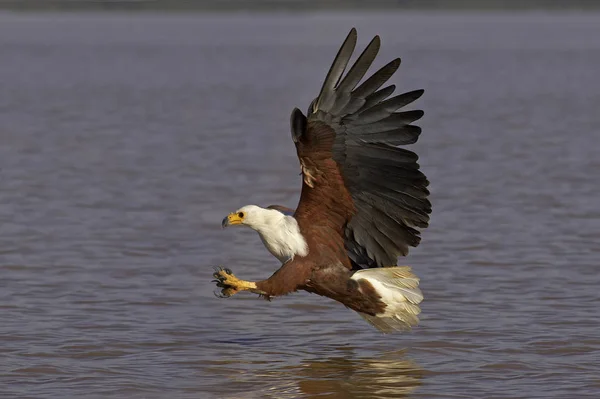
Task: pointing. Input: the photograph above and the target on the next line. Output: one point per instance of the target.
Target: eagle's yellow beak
(232, 219)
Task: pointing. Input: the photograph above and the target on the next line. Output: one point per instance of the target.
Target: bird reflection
(387, 375)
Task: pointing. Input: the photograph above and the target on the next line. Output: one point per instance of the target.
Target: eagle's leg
(232, 285)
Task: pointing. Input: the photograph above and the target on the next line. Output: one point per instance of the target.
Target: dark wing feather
(357, 182)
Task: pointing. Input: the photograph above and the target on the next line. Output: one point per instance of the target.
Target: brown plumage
(363, 198)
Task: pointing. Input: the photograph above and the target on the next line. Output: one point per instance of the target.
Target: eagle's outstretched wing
(356, 179)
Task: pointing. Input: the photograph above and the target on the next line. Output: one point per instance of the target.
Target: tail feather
(399, 289)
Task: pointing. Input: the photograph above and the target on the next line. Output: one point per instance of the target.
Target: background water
(124, 140)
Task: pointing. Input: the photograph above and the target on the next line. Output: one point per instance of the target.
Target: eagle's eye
(241, 215)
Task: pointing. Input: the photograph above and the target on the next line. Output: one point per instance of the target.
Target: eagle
(363, 202)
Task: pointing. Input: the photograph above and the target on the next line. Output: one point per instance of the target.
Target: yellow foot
(231, 284)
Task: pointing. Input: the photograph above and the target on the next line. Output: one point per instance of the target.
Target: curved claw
(224, 278)
(227, 290)
(217, 270)
(221, 295)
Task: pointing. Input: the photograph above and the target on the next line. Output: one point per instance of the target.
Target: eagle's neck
(281, 235)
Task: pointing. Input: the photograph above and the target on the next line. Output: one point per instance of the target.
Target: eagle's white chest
(283, 239)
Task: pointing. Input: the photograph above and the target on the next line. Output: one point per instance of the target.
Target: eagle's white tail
(399, 290)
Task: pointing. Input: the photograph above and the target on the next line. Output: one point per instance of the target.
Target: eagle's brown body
(362, 198)
(322, 214)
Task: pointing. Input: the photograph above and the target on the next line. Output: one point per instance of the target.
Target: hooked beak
(231, 219)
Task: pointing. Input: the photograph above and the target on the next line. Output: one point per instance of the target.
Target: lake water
(125, 139)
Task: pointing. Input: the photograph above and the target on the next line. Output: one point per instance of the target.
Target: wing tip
(338, 66)
(298, 124)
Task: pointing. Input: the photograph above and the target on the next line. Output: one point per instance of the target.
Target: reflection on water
(346, 376)
(389, 376)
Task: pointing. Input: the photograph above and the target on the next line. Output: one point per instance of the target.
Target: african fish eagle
(362, 204)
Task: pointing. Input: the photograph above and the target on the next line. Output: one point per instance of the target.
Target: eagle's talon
(225, 293)
(231, 284)
(225, 279)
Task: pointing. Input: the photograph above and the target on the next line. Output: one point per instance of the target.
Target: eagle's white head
(279, 232)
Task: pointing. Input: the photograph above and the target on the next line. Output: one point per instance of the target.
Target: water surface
(125, 139)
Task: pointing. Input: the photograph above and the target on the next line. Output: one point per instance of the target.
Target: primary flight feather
(363, 199)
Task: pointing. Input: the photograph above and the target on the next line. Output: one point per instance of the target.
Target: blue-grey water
(125, 139)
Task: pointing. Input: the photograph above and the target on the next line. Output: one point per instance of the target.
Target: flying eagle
(362, 204)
